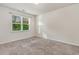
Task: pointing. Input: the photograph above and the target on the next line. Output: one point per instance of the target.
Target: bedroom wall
(6, 34)
(60, 25)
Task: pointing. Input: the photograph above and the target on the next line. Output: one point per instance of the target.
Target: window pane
(16, 27)
(25, 20)
(25, 27)
(25, 24)
(16, 19)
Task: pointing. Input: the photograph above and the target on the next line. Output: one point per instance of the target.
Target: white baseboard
(70, 43)
(66, 42)
(3, 42)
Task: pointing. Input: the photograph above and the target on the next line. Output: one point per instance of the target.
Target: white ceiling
(36, 9)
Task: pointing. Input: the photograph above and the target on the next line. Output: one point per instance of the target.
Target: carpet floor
(38, 46)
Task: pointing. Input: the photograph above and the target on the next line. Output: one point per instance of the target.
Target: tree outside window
(20, 23)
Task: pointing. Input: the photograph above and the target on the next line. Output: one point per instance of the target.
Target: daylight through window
(20, 23)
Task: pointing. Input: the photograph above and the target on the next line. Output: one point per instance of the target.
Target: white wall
(6, 34)
(61, 25)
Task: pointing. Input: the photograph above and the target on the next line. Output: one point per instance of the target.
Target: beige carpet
(37, 46)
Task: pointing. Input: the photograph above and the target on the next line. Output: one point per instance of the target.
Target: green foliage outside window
(25, 27)
(16, 27)
(18, 23)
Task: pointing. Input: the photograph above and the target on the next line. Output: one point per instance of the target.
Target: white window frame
(20, 23)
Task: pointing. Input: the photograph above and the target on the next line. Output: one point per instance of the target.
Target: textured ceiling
(37, 9)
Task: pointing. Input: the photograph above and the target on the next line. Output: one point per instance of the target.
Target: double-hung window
(20, 23)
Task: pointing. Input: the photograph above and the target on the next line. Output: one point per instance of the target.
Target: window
(20, 23)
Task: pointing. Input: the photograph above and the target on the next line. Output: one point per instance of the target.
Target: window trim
(20, 23)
